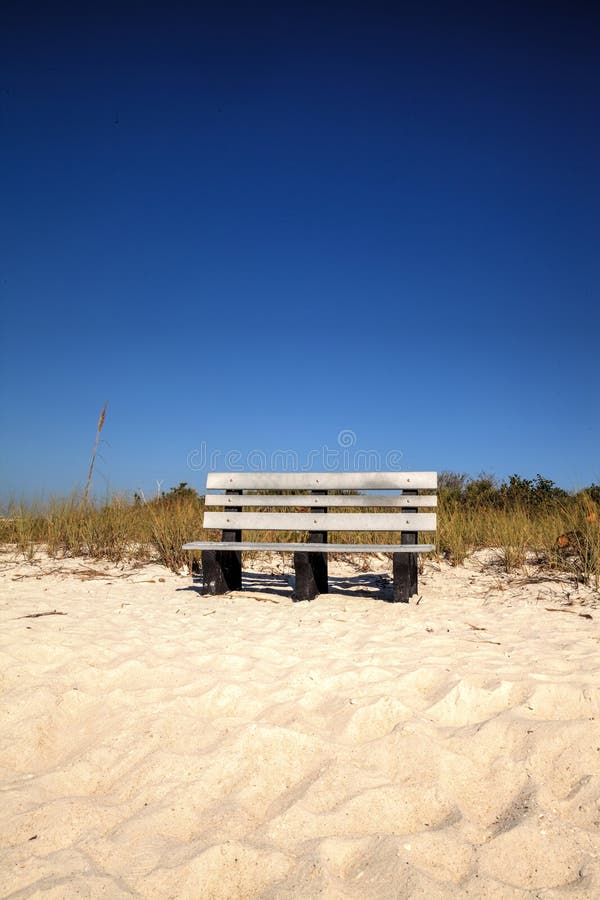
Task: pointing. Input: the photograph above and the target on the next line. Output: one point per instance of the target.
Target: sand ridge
(157, 743)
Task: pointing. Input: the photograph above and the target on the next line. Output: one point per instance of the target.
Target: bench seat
(310, 548)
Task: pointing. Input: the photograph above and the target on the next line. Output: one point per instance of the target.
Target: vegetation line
(518, 520)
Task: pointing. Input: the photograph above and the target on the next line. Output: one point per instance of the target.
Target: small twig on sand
(246, 595)
(38, 574)
(53, 612)
(572, 612)
(482, 641)
(476, 627)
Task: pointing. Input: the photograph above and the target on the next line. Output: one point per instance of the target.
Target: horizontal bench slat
(260, 521)
(358, 481)
(319, 500)
(311, 548)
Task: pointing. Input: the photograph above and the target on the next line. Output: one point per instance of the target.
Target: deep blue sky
(254, 226)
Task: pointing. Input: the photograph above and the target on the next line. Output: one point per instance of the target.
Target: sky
(363, 228)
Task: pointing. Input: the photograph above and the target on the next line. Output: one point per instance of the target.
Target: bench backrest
(402, 514)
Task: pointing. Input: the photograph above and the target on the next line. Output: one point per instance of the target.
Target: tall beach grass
(520, 519)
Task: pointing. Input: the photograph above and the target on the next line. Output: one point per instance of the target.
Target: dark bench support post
(311, 568)
(406, 579)
(222, 569)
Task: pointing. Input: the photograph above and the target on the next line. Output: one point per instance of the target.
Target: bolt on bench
(222, 565)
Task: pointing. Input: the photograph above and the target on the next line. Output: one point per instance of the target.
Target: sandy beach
(156, 743)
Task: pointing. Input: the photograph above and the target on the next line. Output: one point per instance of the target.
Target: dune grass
(559, 529)
(519, 519)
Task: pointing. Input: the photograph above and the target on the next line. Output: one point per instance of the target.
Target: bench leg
(312, 568)
(311, 575)
(221, 571)
(406, 578)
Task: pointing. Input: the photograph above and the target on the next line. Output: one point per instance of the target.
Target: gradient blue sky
(254, 226)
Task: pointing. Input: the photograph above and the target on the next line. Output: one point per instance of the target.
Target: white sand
(157, 743)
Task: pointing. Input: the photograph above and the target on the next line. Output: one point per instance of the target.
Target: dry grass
(126, 528)
(522, 529)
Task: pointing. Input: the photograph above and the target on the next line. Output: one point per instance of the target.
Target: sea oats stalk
(99, 428)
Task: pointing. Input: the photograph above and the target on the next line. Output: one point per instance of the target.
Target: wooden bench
(222, 566)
